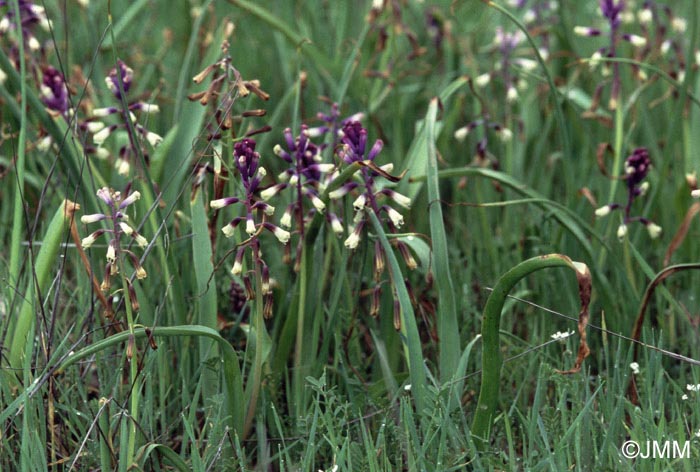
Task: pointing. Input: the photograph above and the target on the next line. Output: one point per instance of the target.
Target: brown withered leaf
(682, 232)
(601, 151)
(584, 292)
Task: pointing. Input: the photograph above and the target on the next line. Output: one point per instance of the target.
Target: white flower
(219, 203)
(128, 230)
(44, 143)
(102, 112)
(643, 189)
(286, 219)
(237, 267)
(695, 193)
(34, 44)
(154, 139)
(693, 388)
(401, 199)
(250, 226)
(150, 108)
(133, 196)
(326, 167)
(654, 230)
(482, 80)
(360, 202)
(336, 226)
(636, 40)
(282, 235)
(621, 231)
(511, 95)
(666, 46)
(340, 192)
(395, 216)
(123, 167)
(111, 254)
(101, 135)
(141, 241)
(645, 16)
(581, 30)
(228, 231)
(684, 397)
(594, 61)
(602, 211)
(318, 203)
(635, 368)
(3, 76)
(88, 241)
(559, 336)
(269, 192)
(506, 135)
(461, 133)
(352, 241)
(87, 219)
(527, 64)
(679, 25)
(141, 273)
(94, 126)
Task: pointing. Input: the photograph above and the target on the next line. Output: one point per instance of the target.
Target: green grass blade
(448, 328)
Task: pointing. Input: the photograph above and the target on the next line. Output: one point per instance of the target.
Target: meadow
(325, 236)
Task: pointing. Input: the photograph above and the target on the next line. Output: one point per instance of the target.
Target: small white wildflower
(594, 61)
(637, 41)
(102, 112)
(693, 388)
(665, 46)
(512, 94)
(654, 230)
(482, 80)
(269, 192)
(581, 30)
(395, 216)
(621, 231)
(318, 203)
(401, 199)
(286, 219)
(4, 24)
(338, 193)
(697, 57)
(684, 397)
(150, 108)
(681, 75)
(336, 226)
(101, 153)
(635, 368)
(128, 230)
(87, 219)
(3, 77)
(111, 254)
(407, 388)
(94, 126)
(133, 196)
(282, 235)
(627, 17)
(602, 211)
(679, 25)
(506, 135)
(250, 226)
(154, 139)
(387, 167)
(88, 241)
(34, 44)
(461, 133)
(217, 204)
(141, 241)
(644, 188)
(529, 16)
(527, 64)
(695, 193)
(328, 167)
(360, 202)
(237, 267)
(228, 231)
(44, 144)
(101, 135)
(645, 16)
(123, 167)
(352, 241)
(141, 273)
(559, 336)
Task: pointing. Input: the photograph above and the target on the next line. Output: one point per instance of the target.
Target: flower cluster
(613, 11)
(539, 16)
(31, 15)
(637, 167)
(119, 228)
(247, 162)
(119, 81)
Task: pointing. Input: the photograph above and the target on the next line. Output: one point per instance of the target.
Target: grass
(312, 354)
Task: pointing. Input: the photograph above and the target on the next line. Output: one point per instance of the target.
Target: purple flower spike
(54, 93)
(112, 80)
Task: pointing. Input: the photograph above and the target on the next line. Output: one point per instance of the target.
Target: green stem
(259, 326)
(133, 371)
(299, 348)
(491, 359)
(18, 217)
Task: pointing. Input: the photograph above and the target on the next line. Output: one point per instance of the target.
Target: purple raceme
(31, 16)
(247, 162)
(120, 234)
(614, 12)
(119, 81)
(637, 166)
